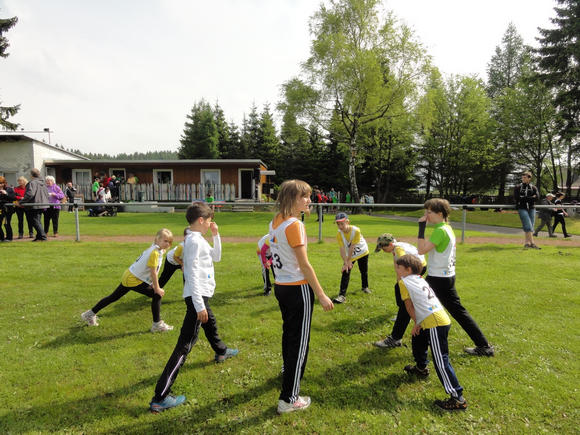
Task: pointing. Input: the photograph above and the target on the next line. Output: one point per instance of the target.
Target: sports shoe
(367, 290)
(567, 236)
(301, 403)
(161, 326)
(388, 343)
(267, 292)
(414, 370)
(452, 404)
(170, 401)
(534, 246)
(480, 350)
(229, 353)
(90, 318)
(340, 299)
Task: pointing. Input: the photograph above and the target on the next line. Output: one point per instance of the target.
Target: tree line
(369, 112)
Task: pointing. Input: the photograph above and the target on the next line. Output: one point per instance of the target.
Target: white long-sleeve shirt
(198, 271)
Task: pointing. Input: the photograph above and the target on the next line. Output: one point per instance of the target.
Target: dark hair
(197, 210)
(438, 205)
(411, 262)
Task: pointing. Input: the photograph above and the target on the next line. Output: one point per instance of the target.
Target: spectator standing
(546, 216)
(560, 214)
(525, 195)
(36, 194)
(70, 195)
(51, 214)
(7, 196)
(20, 190)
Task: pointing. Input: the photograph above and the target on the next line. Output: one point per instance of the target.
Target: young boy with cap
(387, 243)
(353, 249)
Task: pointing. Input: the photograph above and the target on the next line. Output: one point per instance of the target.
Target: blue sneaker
(229, 353)
(170, 401)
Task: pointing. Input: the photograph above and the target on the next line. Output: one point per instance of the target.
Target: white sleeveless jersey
(424, 300)
(171, 254)
(442, 264)
(283, 257)
(360, 249)
(140, 268)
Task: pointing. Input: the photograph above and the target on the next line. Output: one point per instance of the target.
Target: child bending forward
(432, 325)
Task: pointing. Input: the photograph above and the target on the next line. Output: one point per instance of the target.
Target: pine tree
(268, 143)
(200, 137)
(7, 111)
(559, 62)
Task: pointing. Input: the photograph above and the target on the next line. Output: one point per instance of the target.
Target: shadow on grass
(494, 248)
(77, 335)
(357, 325)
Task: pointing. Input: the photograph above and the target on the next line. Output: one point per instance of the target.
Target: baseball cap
(550, 194)
(384, 240)
(340, 216)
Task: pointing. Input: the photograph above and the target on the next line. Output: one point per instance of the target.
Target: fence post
(76, 208)
(319, 222)
(463, 224)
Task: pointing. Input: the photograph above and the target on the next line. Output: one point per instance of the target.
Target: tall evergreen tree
(7, 111)
(251, 134)
(200, 136)
(223, 131)
(504, 71)
(268, 143)
(559, 63)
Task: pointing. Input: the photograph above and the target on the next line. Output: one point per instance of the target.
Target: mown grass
(58, 376)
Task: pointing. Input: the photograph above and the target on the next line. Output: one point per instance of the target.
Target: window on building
(163, 176)
(119, 173)
(81, 177)
(210, 177)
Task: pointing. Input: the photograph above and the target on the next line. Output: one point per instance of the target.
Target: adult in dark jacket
(525, 195)
(7, 196)
(545, 215)
(559, 215)
(36, 193)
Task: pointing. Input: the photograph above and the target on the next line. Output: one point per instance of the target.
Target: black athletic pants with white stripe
(187, 338)
(437, 339)
(363, 267)
(295, 303)
(121, 290)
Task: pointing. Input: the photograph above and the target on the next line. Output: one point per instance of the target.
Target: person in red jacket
(20, 190)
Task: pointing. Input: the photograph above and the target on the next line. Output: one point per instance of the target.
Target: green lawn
(59, 376)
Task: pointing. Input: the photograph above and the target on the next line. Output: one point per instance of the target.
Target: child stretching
(173, 262)
(387, 243)
(295, 285)
(198, 271)
(265, 256)
(432, 325)
(353, 249)
(141, 277)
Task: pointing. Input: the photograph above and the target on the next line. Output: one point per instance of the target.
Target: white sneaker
(301, 403)
(161, 326)
(90, 318)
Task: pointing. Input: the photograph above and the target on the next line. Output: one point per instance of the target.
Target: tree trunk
(569, 174)
(352, 167)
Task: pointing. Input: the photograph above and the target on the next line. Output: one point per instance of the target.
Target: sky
(112, 76)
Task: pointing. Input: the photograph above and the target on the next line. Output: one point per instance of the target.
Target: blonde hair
(22, 178)
(290, 192)
(164, 232)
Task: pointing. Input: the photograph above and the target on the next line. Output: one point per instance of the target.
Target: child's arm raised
(310, 276)
(216, 250)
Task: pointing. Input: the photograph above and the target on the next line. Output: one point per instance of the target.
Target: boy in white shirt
(198, 271)
(141, 277)
(431, 328)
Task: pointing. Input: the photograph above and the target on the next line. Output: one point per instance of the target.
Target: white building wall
(16, 159)
(43, 152)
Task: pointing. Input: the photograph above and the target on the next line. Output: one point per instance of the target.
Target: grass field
(59, 376)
